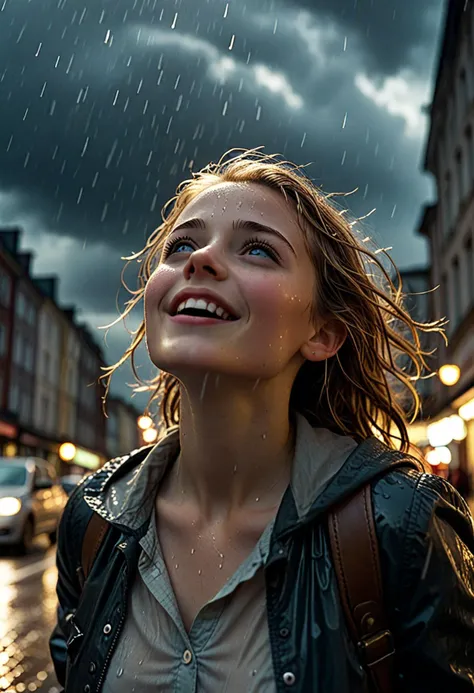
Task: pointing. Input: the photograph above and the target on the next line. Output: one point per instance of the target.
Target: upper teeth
(201, 304)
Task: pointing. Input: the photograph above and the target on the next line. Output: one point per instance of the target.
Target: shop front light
(440, 432)
(466, 412)
(449, 374)
(150, 435)
(437, 456)
(9, 506)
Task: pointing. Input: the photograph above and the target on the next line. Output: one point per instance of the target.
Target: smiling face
(234, 290)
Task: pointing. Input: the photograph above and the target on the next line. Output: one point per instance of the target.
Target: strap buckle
(377, 647)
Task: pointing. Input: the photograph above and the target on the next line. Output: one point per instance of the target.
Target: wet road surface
(27, 617)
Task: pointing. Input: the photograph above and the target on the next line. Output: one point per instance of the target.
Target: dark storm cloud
(389, 30)
(105, 107)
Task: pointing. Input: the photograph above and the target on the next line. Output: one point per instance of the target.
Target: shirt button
(289, 679)
(187, 656)
(107, 628)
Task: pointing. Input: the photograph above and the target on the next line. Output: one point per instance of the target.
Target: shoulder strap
(356, 560)
(93, 538)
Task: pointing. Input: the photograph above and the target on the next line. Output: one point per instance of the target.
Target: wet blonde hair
(368, 387)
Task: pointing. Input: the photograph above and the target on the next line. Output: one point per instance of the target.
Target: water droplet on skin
(193, 551)
(257, 499)
(199, 572)
(176, 566)
(220, 566)
(264, 435)
(119, 672)
(235, 469)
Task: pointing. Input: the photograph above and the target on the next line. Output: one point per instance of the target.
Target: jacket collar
(327, 468)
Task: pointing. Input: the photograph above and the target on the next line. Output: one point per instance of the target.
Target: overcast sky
(105, 105)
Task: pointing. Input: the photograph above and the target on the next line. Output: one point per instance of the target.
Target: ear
(326, 341)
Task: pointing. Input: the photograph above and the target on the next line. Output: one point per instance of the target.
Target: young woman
(283, 351)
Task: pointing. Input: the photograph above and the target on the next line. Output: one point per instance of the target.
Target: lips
(203, 300)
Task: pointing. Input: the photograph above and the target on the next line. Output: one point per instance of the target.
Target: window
(5, 289)
(31, 315)
(462, 187)
(447, 204)
(45, 410)
(457, 297)
(18, 349)
(14, 402)
(20, 305)
(46, 365)
(28, 357)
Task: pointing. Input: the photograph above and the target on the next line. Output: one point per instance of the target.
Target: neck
(236, 446)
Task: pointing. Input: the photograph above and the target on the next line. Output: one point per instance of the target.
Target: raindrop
(173, 26)
(226, 10)
(343, 158)
(231, 45)
(303, 140)
(393, 211)
(119, 672)
(203, 390)
(345, 43)
(344, 121)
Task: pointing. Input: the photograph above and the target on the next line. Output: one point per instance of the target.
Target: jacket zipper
(114, 641)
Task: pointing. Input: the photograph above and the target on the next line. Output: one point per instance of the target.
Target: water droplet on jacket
(119, 672)
(254, 672)
(140, 662)
(386, 496)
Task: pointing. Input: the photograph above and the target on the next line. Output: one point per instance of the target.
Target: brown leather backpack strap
(93, 538)
(356, 561)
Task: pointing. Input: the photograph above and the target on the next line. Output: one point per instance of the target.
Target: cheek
(157, 287)
(282, 303)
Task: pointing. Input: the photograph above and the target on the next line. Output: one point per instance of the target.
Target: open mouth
(200, 308)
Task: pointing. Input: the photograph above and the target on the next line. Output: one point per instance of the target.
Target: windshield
(12, 474)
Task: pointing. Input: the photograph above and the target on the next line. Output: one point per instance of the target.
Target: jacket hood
(327, 468)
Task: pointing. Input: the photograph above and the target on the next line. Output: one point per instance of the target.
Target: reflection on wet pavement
(27, 616)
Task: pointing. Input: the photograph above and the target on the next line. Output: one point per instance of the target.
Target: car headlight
(9, 507)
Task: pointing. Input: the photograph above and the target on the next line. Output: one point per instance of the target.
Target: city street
(27, 616)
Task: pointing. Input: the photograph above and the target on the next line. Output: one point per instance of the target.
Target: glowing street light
(150, 435)
(67, 452)
(145, 422)
(449, 374)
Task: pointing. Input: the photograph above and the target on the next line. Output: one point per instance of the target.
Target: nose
(205, 262)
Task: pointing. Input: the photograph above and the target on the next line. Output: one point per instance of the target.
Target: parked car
(31, 501)
(70, 482)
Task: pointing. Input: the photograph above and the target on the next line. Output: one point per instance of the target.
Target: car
(70, 482)
(31, 501)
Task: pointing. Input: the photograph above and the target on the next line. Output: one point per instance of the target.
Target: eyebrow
(242, 224)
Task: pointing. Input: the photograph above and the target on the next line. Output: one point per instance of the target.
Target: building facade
(122, 429)
(448, 224)
(8, 277)
(90, 419)
(69, 376)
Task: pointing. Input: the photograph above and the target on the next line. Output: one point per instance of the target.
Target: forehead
(254, 200)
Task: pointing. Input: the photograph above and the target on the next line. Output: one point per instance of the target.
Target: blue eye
(179, 247)
(259, 252)
(256, 247)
